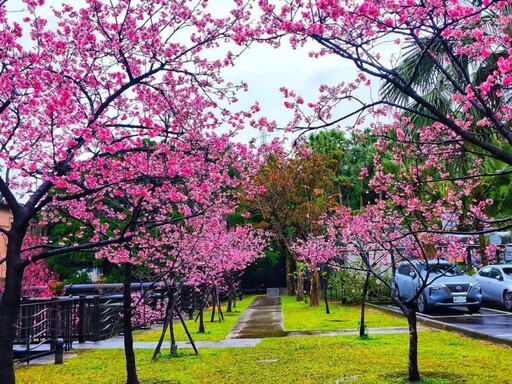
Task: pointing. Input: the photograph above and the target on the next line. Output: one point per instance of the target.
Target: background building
(5, 223)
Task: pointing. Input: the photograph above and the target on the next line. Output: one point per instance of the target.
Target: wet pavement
(263, 318)
(492, 323)
(118, 343)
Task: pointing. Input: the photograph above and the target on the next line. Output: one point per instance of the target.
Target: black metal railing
(40, 324)
(76, 318)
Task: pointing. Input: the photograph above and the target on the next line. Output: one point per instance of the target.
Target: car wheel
(422, 304)
(474, 308)
(507, 300)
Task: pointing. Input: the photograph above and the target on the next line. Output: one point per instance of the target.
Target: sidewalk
(263, 318)
(118, 343)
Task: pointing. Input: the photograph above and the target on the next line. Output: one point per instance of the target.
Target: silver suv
(446, 285)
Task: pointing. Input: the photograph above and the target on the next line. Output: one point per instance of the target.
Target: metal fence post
(54, 321)
(81, 318)
(96, 318)
(59, 351)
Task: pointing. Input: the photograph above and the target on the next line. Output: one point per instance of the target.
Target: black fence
(42, 322)
(83, 317)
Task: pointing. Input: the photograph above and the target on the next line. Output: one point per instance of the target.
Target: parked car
(446, 285)
(496, 282)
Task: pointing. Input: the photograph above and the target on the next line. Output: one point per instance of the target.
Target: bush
(347, 286)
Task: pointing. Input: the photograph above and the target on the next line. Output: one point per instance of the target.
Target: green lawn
(443, 358)
(299, 316)
(213, 331)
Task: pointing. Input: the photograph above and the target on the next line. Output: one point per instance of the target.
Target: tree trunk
(214, 304)
(201, 320)
(131, 369)
(299, 292)
(362, 323)
(482, 244)
(290, 286)
(219, 309)
(323, 285)
(314, 290)
(9, 308)
(169, 310)
(414, 373)
(174, 345)
(230, 300)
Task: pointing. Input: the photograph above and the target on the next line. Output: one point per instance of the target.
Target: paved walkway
(263, 318)
(117, 342)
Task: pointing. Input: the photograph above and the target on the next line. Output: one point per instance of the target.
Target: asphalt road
(493, 322)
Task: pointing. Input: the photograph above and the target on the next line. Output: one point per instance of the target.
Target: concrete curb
(447, 327)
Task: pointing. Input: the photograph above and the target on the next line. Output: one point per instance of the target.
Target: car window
(507, 271)
(446, 269)
(484, 272)
(495, 272)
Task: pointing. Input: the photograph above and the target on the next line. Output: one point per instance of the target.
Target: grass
(213, 331)
(443, 358)
(299, 316)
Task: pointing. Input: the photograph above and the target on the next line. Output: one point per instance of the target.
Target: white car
(496, 282)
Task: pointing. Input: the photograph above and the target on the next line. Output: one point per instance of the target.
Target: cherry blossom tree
(199, 252)
(212, 252)
(37, 276)
(451, 38)
(455, 39)
(418, 197)
(317, 252)
(86, 98)
(165, 193)
(407, 223)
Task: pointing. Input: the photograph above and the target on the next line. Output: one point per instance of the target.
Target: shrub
(347, 286)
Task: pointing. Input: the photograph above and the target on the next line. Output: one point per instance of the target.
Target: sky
(266, 70)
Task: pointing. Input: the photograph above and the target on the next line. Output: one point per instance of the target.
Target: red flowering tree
(292, 195)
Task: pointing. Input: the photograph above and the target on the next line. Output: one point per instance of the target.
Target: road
(493, 322)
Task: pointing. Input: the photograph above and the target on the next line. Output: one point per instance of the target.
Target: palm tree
(437, 80)
(351, 156)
